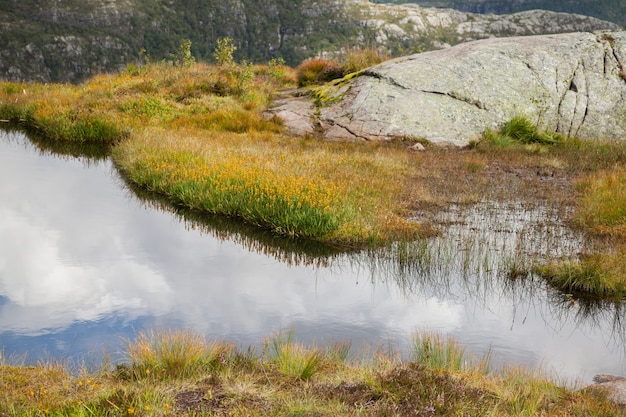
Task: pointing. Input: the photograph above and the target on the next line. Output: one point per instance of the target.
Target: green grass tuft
(440, 353)
(171, 354)
(293, 359)
(288, 379)
(520, 130)
(595, 275)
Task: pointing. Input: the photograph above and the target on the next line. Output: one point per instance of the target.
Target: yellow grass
(197, 135)
(288, 379)
(353, 192)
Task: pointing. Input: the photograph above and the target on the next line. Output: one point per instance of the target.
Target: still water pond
(85, 262)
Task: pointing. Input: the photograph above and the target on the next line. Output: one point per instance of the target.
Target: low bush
(357, 59)
(317, 71)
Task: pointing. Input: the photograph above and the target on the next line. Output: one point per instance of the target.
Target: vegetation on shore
(600, 208)
(175, 373)
(195, 134)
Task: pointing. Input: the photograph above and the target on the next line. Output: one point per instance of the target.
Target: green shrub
(521, 130)
(183, 57)
(224, 51)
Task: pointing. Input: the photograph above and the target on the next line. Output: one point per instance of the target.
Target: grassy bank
(179, 373)
(195, 134)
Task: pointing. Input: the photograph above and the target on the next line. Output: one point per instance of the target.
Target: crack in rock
(353, 134)
(381, 77)
(455, 96)
(610, 55)
(573, 105)
(585, 96)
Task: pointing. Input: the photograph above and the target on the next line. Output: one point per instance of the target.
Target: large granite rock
(571, 83)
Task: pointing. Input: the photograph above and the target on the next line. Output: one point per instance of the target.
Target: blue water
(85, 263)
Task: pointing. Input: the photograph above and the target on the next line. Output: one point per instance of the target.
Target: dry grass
(196, 136)
(318, 71)
(172, 354)
(251, 385)
(241, 166)
(109, 107)
(602, 208)
(357, 59)
(589, 177)
(341, 193)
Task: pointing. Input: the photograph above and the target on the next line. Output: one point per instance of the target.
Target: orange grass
(601, 211)
(108, 107)
(197, 135)
(333, 192)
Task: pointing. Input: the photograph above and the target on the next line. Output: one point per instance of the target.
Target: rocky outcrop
(573, 84)
(613, 10)
(402, 28)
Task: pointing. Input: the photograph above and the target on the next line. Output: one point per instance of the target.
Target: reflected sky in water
(85, 262)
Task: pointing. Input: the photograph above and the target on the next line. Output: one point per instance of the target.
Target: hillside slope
(69, 40)
(611, 10)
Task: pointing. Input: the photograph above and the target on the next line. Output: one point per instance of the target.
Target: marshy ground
(194, 135)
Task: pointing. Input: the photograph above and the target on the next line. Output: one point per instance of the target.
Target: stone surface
(409, 22)
(614, 386)
(568, 83)
(297, 114)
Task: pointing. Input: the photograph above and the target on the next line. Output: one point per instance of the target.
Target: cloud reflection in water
(82, 258)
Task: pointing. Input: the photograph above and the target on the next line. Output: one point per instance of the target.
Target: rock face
(572, 83)
(408, 26)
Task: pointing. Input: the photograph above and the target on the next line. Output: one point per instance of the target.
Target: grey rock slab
(614, 386)
(567, 83)
(296, 113)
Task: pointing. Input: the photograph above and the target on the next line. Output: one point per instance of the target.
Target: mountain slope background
(70, 40)
(611, 10)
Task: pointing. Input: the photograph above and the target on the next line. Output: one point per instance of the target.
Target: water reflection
(86, 152)
(290, 251)
(85, 260)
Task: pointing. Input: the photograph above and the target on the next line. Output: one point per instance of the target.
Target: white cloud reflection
(74, 248)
